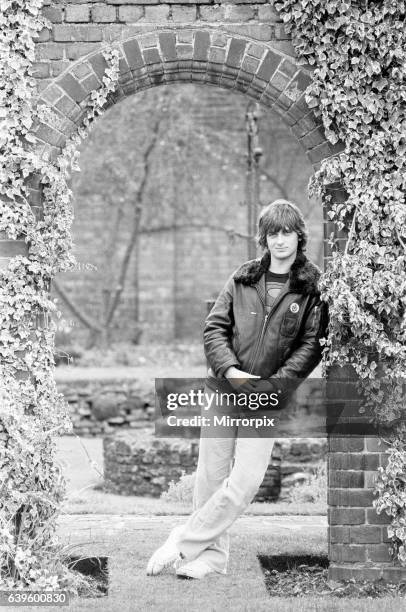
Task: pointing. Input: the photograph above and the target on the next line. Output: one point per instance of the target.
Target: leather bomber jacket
(279, 347)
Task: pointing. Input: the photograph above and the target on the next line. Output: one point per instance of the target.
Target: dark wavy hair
(281, 215)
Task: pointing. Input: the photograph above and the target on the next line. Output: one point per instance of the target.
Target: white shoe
(195, 569)
(162, 557)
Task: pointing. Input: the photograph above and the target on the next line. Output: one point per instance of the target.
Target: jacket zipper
(258, 343)
(266, 319)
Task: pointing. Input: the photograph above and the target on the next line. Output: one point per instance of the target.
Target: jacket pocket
(289, 324)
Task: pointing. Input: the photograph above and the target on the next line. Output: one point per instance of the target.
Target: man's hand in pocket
(238, 378)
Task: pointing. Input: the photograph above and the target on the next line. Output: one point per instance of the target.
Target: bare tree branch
(83, 318)
(167, 228)
(109, 255)
(293, 157)
(138, 210)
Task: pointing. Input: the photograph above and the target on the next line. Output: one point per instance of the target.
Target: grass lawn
(242, 588)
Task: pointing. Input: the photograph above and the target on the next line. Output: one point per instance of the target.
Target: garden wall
(137, 463)
(99, 407)
(102, 407)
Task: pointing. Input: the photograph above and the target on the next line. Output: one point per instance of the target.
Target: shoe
(162, 557)
(194, 569)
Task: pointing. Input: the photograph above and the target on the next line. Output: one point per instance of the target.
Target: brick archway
(203, 56)
(246, 52)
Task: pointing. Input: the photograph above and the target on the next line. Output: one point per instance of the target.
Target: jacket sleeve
(307, 355)
(218, 332)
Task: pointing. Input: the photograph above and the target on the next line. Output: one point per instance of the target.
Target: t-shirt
(273, 286)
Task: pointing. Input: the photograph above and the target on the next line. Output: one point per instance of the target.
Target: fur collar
(303, 275)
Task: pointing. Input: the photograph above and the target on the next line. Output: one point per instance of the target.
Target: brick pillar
(357, 535)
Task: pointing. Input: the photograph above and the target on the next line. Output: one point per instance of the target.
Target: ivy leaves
(359, 89)
(32, 408)
(391, 486)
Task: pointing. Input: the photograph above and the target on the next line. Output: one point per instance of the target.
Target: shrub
(314, 490)
(181, 491)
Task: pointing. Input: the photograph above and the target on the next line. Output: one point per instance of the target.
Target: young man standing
(262, 334)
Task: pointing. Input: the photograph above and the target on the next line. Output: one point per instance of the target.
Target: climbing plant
(357, 50)
(32, 411)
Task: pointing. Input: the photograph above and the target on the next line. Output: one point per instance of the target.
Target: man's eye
(284, 232)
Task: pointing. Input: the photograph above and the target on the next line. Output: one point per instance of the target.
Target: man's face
(283, 244)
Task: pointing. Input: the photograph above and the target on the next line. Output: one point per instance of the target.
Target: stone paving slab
(95, 526)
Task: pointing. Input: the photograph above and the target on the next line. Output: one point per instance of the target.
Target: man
(262, 335)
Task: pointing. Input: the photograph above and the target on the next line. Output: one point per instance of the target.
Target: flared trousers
(229, 473)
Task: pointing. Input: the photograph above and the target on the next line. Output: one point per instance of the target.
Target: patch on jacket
(303, 275)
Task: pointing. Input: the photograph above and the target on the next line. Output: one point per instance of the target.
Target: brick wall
(358, 536)
(358, 539)
(79, 28)
(99, 407)
(137, 463)
(235, 45)
(178, 269)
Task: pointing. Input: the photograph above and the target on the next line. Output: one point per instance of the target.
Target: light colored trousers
(222, 492)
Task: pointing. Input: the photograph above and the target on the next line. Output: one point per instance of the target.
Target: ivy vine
(31, 482)
(358, 52)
